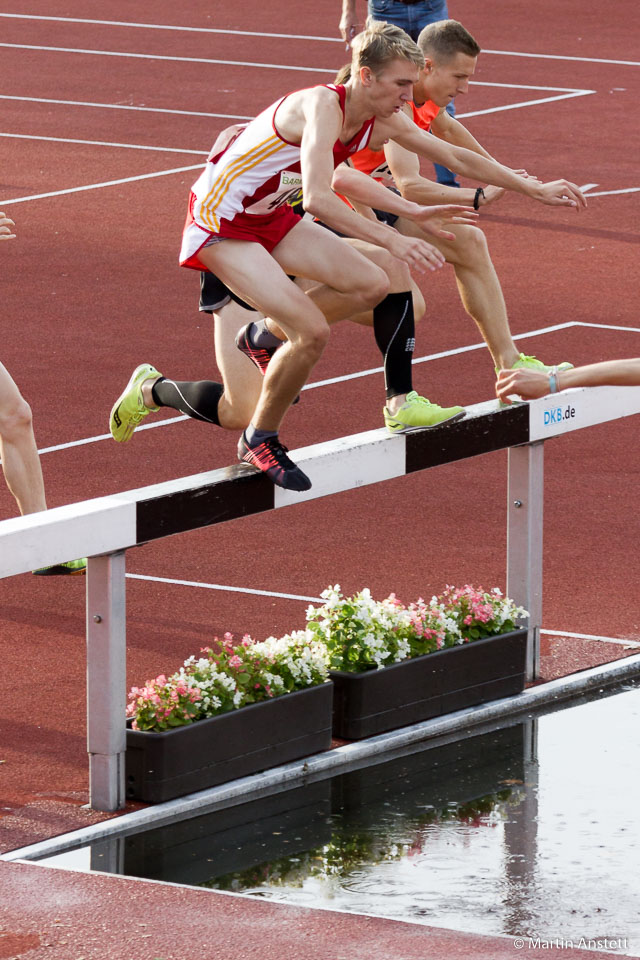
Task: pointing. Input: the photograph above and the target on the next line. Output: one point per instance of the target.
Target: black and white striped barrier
(104, 528)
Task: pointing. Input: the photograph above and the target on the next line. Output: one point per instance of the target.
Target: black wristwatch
(476, 199)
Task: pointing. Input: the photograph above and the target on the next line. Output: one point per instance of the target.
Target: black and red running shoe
(258, 355)
(270, 456)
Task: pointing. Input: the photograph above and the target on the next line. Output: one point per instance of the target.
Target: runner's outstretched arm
(364, 189)
(322, 127)
(530, 384)
(470, 164)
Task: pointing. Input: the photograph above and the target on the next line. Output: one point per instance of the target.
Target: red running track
(92, 288)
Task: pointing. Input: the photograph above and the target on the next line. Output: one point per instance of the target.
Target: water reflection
(530, 830)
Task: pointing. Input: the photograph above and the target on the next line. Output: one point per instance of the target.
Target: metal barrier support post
(524, 540)
(106, 680)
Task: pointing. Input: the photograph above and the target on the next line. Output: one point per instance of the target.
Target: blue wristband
(553, 380)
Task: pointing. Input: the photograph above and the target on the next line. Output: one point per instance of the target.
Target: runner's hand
(560, 193)
(6, 225)
(528, 384)
(432, 219)
(416, 253)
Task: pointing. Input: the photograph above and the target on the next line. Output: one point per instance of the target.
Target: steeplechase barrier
(104, 528)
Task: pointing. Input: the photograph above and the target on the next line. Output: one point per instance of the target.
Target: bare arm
(470, 164)
(6, 228)
(531, 384)
(322, 126)
(405, 169)
(349, 25)
(452, 131)
(363, 189)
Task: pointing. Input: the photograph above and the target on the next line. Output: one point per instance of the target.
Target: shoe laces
(413, 397)
(276, 446)
(530, 360)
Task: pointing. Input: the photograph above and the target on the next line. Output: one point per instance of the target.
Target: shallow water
(531, 830)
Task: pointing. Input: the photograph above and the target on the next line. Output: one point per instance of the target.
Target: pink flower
(235, 661)
(246, 640)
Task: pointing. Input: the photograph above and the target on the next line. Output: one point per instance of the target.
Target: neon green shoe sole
(72, 568)
(418, 413)
(129, 408)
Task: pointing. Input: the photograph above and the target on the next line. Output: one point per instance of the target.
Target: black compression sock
(198, 399)
(394, 329)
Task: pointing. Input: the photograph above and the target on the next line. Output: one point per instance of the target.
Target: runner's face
(448, 79)
(392, 87)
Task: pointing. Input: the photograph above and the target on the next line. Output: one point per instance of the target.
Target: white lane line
(124, 106)
(225, 588)
(98, 186)
(230, 63)
(239, 116)
(606, 326)
(102, 143)
(611, 193)
(439, 356)
(157, 56)
(589, 636)
(291, 36)
(588, 186)
(527, 103)
(554, 56)
(325, 383)
(161, 26)
(107, 436)
(529, 86)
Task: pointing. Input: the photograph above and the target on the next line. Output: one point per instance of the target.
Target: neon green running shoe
(532, 363)
(72, 568)
(417, 412)
(129, 408)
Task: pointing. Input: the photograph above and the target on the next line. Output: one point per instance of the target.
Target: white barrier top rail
(108, 524)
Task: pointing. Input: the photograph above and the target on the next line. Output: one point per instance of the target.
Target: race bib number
(288, 191)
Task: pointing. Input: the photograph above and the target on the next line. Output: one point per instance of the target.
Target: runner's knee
(471, 245)
(397, 271)
(373, 286)
(15, 419)
(313, 338)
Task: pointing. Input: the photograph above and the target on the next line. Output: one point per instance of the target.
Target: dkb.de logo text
(557, 415)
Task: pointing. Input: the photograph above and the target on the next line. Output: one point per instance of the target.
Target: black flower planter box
(377, 700)
(161, 766)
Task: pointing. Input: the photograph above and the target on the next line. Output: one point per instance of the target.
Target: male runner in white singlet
(240, 228)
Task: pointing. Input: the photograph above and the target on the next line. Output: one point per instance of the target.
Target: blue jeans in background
(412, 17)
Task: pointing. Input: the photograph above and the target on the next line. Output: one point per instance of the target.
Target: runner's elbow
(410, 189)
(315, 203)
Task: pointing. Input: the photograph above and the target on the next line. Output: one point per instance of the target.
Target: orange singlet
(374, 162)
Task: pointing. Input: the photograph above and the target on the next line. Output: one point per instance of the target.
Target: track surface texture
(92, 288)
